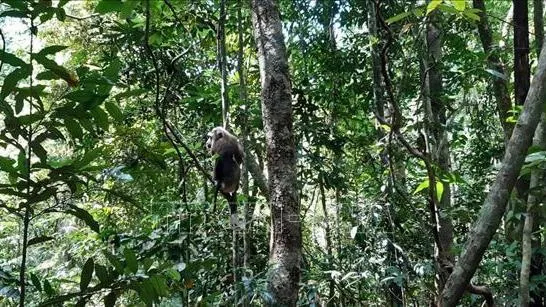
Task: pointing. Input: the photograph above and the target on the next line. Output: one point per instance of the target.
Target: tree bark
(222, 63)
(394, 292)
(285, 244)
(435, 119)
(539, 141)
(497, 198)
(494, 62)
(522, 72)
(538, 20)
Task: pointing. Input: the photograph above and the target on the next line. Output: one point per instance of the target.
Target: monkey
(227, 168)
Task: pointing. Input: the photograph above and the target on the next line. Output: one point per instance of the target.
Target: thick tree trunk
(531, 264)
(285, 249)
(497, 198)
(494, 62)
(522, 72)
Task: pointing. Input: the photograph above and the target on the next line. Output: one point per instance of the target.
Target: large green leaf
(109, 6)
(114, 261)
(84, 216)
(40, 239)
(102, 274)
(11, 59)
(73, 128)
(87, 273)
(87, 158)
(432, 5)
(50, 50)
(36, 281)
(11, 80)
(110, 299)
(55, 68)
(114, 110)
(101, 118)
(130, 260)
(6, 165)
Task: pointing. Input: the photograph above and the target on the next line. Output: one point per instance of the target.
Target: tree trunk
(531, 264)
(247, 212)
(394, 291)
(285, 244)
(497, 198)
(494, 62)
(538, 20)
(522, 72)
(435, 119)
(222, 63)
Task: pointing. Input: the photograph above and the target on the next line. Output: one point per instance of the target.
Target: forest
(272, 153)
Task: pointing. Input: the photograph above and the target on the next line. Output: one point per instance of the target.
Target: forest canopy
(272, 153)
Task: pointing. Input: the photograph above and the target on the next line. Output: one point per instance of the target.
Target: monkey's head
(213, 136)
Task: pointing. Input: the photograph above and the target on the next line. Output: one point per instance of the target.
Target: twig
(82, 17)
(168, 128)
(3, 49)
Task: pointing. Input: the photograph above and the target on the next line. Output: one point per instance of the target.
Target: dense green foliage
(103, 119)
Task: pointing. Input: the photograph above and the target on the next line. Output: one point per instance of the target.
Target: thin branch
(168, 128)
(82, 17)
(3, 49)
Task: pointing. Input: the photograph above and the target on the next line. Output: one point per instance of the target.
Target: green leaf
(146, 292)
(130, 93)
(11, 80)
(6, 165)
(12, 59)
(173, 274)
(471, 16)
(422, 186)
(160, 285)
(22, 166)
(87, 273)
(439, 190)
(61, 14)
(130, 260)
(51, 50)
(81, 96)
(48, 289)
(84, 216)
(102, 274)
(73, 128)
(448, 9)
(109, 6)
(87, 158)
(432, 5)
(128, 8)
(13, 13)
(101, 118)
(460, 5)
(110, 299)
(40, 239)
(114, 261)
(111, 72)
(42, 195)
(40, 152)
(36, 281)
(114, 110)
(55, 68)
(398, 17)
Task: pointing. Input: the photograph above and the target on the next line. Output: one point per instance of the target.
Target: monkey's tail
(232, 201)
